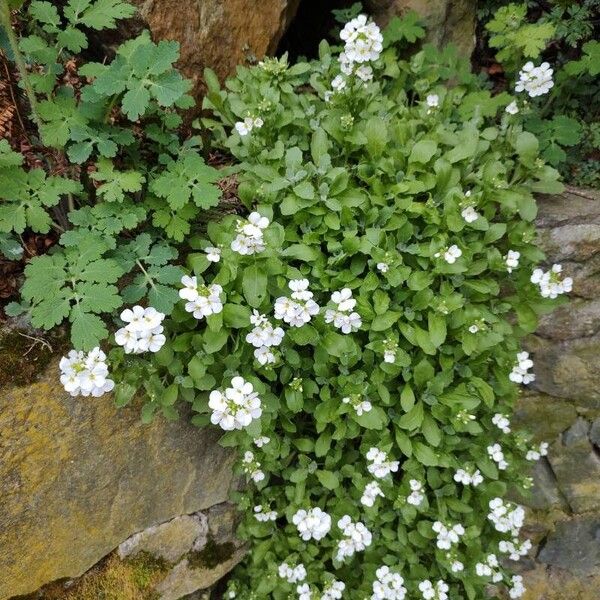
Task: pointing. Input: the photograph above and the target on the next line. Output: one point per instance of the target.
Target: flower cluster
(360, 405)
(333, 590)
(388, 585)
(489, 568)
(248, 124)
(236, 407)
(506, 517)
(292, 574)
(496, 454)
(250, 232)
(536, 81)
(343, 316)
(429, 591)
(264, 516)
(363, 41)
(380, 466)
(536, 454)
(143, 332)
(519, 373)
(512, 260)
(446, 536)
(263, 337)
(261, 441)
(370, 494)
(550, 283)
(416, 495)
(517, 589)
(468, 478)
(312, 523)
(84, 374)
(450, 254)
(202, 300)
(213, 254)
(356, 538)
(300, 308)
(252, 467)
(501, 422)
(515, 548)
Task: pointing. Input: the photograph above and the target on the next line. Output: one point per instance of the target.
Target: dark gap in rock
(313, 22)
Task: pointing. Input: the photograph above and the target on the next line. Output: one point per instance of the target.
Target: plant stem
(5, 22)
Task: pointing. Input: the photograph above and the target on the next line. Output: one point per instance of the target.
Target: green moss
(24, 355)
(211, 555)
(145, 567)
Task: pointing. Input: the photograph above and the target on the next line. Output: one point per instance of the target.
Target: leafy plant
(112, 175)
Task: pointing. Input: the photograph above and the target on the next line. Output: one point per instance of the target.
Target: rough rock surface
(78, 477)
(564, 410)
(219, 34)
(447, 21)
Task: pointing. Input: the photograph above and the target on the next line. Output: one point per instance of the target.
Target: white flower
(203, 300)
(259, 442)
(514, 548)
(252, 467)
(380, 466)
(333, 590)
(235, 408)
(550, 283)
(247, 125)
(264, 516)
(143, 331)
(338, 83)
(473, 328)
(249, 239)
(292, 574)
(213, 254)
(300, 308)
(363, 40)
(506, 517)
(535, 455)
(85, 374)
(304, 592)
(487, 569)
(416, 496)
(388, 585)
(469, 214)
(450, 254)
(431, 592)
(512, 108)
(432, 100)
(446, 536)
(512, 260)
(312, 524)
(496, 454)
(383, 267)
(457, 566)
(501, 422)
(536, 81)
(263, 337)
(467, 478)
(364, 73)
(360, 406)
(357, 538)
(370, 494)
(343, 316)
(519, 373)
(517, 589)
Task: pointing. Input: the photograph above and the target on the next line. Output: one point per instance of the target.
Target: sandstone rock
(551, 583)
(575, 546)
(580, 318)
(78, 476)
(216, 33)
(447, 21)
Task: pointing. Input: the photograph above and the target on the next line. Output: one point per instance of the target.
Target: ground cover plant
(354, 330)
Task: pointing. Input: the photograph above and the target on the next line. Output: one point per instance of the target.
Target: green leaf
(86, 330)
(328, 479)
(437, 328)
(423, 151)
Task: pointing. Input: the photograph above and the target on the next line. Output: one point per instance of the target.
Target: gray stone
(170, 540)
(577, 433)
(580, 318)
(595, 433)
(574, 546)
(545, 494)
(545, 417)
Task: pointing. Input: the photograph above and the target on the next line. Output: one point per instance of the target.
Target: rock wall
(563, 408)
(78, 477)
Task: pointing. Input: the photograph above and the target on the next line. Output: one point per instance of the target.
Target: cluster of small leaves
(369, 176)
(564, 35)
(121, 168)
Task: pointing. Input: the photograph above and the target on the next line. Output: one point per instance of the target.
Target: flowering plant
(356, 336)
